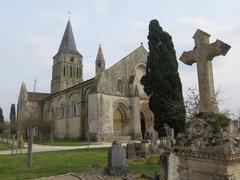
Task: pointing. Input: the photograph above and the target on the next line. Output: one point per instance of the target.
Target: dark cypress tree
(12, 119)
(1, 120)
(161, 81)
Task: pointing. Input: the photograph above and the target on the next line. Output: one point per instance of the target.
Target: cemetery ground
(62, 162)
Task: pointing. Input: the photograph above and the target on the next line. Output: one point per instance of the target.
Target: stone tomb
(139, 150)
(116, 160)
(132, 150)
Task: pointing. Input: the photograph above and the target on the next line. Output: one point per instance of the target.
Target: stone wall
(68, 111)
(125, 70)
(101, 114)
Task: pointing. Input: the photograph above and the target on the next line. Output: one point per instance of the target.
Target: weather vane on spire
(69, 14)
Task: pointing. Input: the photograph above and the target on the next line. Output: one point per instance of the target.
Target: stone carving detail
(197, 128)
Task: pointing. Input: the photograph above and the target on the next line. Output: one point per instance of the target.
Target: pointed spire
(100, 62)
(23, 86)
(68, 43)
(100, 56)
(23, 93)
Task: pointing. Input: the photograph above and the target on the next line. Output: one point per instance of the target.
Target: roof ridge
(127, 56)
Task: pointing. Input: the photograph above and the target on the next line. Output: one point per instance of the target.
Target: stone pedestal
(208, 167)
(208, 151)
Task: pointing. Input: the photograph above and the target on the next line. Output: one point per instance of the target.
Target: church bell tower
(67, 63)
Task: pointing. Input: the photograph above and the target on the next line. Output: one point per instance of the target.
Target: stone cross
(202, 54)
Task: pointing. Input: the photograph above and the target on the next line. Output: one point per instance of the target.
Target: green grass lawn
(54, 163)
(62, 142)
(3, 146)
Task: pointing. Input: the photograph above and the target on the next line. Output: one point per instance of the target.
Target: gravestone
(145, 149)
(169, 136)
(139, 150)
(131, 150)
(116, 160)
(154, 149)
(168, 161)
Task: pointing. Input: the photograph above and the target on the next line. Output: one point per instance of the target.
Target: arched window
(120, 85)
(73, 71)
(64, 71)
(70, 71)
(74, 105)
(62, 111)
(79, 72)
(52, 113)
(74, 109)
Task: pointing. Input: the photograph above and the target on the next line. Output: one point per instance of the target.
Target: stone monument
(209, 149)
(202, 54)
(116, 160)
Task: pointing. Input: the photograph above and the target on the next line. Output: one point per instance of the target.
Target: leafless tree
(29, 121)
(192, 102)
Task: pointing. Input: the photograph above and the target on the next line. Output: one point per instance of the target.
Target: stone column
(135, 116)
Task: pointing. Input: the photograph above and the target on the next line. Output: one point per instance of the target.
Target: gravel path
(47, 148)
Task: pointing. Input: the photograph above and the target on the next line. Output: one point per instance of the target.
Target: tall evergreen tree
(12, 119)
(161, 81)
(1, 120)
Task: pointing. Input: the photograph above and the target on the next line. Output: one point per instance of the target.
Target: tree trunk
(13, 143)
(21, 144)
(51, 136)
(16, 145)
(30, 141)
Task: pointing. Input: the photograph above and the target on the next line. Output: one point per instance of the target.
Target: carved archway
(121, 123)
(146, 119)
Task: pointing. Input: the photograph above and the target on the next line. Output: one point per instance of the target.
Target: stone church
(110, 106)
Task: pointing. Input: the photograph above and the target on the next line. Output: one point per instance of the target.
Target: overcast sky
(31, 33)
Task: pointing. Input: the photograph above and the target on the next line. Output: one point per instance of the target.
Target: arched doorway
(143, 125)
(121, 126)
(117, 122)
